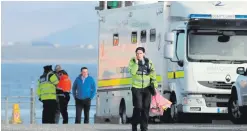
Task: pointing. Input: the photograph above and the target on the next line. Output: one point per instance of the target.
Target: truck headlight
(243, 83)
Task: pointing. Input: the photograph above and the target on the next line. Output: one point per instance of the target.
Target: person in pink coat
(159, 104)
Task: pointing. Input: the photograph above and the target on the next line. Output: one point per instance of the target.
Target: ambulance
(195, 47)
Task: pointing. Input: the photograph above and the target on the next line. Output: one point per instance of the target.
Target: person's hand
(136, 60)
(164, 108)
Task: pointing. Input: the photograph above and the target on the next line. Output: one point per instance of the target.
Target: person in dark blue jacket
(84, 90)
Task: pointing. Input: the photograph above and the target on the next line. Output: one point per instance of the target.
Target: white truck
(237, 107)
(196, 48)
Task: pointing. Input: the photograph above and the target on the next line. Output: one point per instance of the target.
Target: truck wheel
(236, 116)
(175, 116)
(166, 116)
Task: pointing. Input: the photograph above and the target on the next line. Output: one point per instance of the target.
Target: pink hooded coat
(159, 104)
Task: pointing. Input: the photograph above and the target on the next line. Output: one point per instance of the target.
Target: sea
(18, 78)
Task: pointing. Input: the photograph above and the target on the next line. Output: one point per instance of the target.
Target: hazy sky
(25, 21)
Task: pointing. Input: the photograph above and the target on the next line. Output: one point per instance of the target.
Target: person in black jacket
(60, 94)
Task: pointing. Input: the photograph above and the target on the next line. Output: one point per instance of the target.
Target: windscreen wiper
(238, 61)
(216, 61)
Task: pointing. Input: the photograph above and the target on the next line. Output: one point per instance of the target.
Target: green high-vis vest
(47, 87)
(142, 81)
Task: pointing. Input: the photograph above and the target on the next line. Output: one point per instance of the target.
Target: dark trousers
(49, 111)
(57, 115)
(63, 108)
(82, 104)
(141, 103)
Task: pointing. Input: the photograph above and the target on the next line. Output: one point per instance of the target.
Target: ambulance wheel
(165, 118)
(123, 118)
(122, 113)
(234, 111)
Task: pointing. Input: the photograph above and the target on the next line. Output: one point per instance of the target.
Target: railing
(32, 105)
(7, 100)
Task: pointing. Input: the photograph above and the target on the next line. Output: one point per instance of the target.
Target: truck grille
(216, 84)
(222, 85)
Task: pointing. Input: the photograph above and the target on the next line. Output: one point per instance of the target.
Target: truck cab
(204, 53)
(238, 100)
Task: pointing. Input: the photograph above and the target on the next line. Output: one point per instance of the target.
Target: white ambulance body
(194, 70)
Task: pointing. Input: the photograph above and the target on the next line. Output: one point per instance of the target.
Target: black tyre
(122, 112)
(166, 118)
(234, 112)
(123, 118)
(175, 116)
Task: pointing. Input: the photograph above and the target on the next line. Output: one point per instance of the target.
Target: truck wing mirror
(169, 45)
(181, 63)
(169, 51)
(170, 37)
(240, 71)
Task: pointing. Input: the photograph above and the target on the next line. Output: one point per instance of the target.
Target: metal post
(32, 106)
(105, 5)
(6, 111)
(122, 3)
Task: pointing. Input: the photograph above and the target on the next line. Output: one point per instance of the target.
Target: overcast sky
(25, 21)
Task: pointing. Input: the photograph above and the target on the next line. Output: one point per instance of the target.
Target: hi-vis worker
(63, 91)
(46, 92)
(143, 85)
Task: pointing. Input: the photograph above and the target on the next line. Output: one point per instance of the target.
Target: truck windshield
(217, 45)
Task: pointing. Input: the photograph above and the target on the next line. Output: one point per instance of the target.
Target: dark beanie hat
(140, 48)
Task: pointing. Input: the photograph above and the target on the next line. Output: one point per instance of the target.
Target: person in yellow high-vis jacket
(46, 92)
(143, 86)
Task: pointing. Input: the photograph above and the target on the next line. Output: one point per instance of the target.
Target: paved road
(115, 127)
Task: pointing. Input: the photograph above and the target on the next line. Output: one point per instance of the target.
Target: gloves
(152, 89)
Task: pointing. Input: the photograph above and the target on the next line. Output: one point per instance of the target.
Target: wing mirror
(169, 46)
(181, 63)
(170, 37)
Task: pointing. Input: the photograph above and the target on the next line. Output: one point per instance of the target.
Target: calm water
(17, 80)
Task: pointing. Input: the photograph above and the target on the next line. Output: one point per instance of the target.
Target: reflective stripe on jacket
(142, 80)
(47, 86)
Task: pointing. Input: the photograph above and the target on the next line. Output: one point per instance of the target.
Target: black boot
(144, 128)
(134, 127)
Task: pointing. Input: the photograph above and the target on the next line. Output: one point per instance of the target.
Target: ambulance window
(115, 40)
(128, 3)
(152, 35)
(143, 36)
(134, 37)
(113, 4)
(102, 5)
